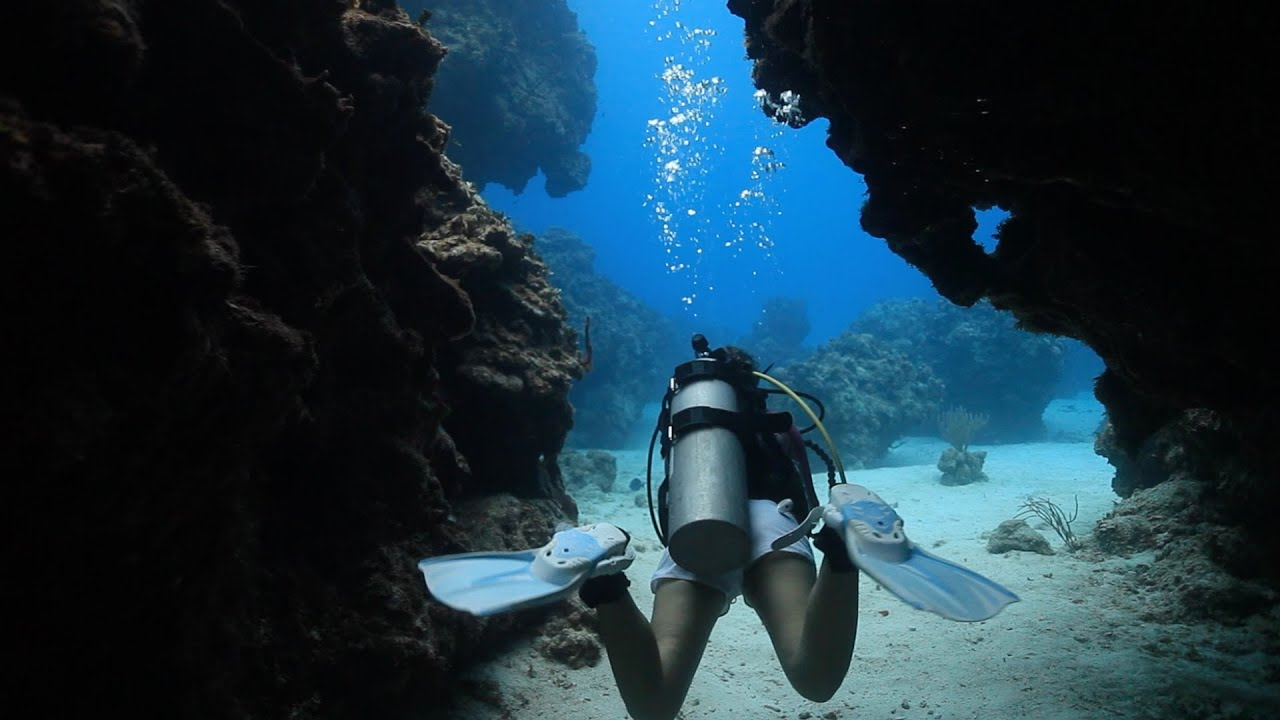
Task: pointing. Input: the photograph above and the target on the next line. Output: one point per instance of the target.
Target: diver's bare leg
(812, 624)
(654, 661)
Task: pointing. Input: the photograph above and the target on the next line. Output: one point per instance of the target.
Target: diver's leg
(654, 661)
(812, 623)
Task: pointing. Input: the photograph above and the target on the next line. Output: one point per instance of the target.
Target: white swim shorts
(767, 525)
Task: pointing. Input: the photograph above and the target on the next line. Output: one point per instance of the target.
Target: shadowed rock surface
(245, 399)
(634, 347)
(1135, 156)
(517, 89)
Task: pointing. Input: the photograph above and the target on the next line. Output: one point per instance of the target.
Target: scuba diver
(735, 513)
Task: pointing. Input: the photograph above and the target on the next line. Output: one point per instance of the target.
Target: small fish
(636, 484)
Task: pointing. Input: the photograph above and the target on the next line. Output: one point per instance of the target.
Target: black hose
(648, 473)
(831, 467)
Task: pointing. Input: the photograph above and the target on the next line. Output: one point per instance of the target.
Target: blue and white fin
(873, 534)
(487, 583)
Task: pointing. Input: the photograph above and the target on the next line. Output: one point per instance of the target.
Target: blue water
(805, 213)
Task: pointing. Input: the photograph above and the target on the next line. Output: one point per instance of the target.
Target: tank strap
(744, 424)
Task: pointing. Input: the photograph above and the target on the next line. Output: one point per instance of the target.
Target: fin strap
(603, 589)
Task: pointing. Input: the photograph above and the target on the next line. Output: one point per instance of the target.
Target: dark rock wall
(228, 361)
(506, 383)
(517, 89)
(1134, 146)
(634, 348)
(1134, 154)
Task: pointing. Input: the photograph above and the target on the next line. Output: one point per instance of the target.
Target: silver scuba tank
(710, 533)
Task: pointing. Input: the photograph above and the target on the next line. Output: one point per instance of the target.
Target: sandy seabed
(1074, 647)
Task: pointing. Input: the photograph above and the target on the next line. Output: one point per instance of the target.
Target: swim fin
(872, 533)
(487, 583)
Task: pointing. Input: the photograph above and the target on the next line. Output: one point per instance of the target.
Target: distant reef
(1136, 158)
(986, 363)
(634, 348)
(517, 89)
(264, 349)
(778, 334)
(873, 394)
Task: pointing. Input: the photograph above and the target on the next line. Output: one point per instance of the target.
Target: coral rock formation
(872, 393)
(593, 468)
(517, 89)
(962, 467)
(507, 381)
(1123, 233)
(1135, 157)
(986, 363)
(1016, 534)
(634, 347)
(227, 359)
(778, 335)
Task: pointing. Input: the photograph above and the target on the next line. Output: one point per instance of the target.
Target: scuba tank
(712, 409)
(710, 533)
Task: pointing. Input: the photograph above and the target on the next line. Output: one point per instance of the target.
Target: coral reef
(873, 394)
(635, 347)
(985, 361)
(517, 89)
(244, 397)
(778, 335)
(594, 468)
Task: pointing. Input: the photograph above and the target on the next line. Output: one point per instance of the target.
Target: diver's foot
(617, 545)
(832, 539)
(845, 493)
(608, 583)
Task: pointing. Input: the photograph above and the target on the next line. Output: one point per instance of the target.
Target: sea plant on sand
(959, 465)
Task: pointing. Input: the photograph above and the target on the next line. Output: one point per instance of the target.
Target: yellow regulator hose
(835, 454)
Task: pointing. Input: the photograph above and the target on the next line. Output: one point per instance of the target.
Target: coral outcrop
(1016, 534)
(778, 335)
(1122, 233)
(1135, 159)
(1205, 565)
(517, 89)
(962, 467)
(1233, 456)
(873, 394)
(506, 382)
(245, 399)
(986, 363)
(592, 468)
(634, 347)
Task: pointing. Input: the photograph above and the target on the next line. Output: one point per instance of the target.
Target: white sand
(1074, 647)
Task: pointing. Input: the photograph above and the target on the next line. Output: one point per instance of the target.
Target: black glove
(833, 547)
(603, 589)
